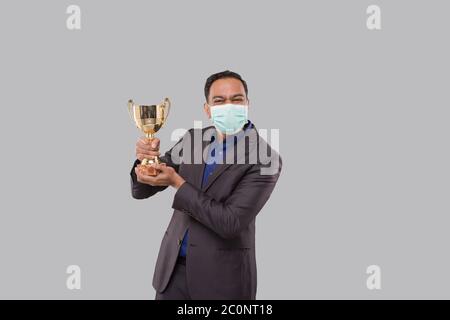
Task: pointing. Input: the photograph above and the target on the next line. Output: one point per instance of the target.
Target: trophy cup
(149, 119)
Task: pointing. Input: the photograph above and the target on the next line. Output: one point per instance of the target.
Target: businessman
(222, 183)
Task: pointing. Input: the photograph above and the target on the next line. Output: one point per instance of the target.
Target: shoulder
(265, 157)
(269, 158)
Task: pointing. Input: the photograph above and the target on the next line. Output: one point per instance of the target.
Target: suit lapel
(220, 168)
(198, 169)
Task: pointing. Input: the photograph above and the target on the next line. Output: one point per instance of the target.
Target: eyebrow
(233, 96)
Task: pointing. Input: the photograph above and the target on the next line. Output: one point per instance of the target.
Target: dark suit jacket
(220, 260)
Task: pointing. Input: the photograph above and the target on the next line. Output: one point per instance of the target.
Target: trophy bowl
(149, 119)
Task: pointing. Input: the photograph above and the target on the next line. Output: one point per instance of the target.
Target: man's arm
(230, 217)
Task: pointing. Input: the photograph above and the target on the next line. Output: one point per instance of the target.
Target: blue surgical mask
(229, 118)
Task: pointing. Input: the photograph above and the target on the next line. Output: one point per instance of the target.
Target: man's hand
(167, 176)
(146, 148)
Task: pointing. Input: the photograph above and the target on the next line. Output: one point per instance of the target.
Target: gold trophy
(149, 119)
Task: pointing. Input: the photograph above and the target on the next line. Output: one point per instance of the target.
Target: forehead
(227, 86)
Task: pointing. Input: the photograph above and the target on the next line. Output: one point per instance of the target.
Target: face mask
(229, 118)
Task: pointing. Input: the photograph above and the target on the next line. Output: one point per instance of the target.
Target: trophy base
(147, 169)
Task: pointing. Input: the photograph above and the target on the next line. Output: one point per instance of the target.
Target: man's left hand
(167, 176)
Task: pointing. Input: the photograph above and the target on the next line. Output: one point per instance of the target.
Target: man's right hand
(147, 148)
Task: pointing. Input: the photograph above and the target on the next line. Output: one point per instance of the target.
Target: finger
(142, 141)
(160, 166)
(151, 180)
(147, 152)
(147, 145)
(155, 143)
(144, 144)
(144, 149)
(138, 175)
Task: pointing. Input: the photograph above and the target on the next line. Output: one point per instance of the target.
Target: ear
(207, 110)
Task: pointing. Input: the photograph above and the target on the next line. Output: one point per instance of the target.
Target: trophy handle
(167, 103)
(130, 108)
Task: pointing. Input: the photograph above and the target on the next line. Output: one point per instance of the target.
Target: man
(208, 250)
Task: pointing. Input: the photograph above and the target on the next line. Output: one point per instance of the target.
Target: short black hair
(222, 75)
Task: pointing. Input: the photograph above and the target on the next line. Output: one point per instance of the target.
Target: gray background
(363, 118)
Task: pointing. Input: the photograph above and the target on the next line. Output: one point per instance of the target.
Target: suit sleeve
(228, 218)
(142, 190)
